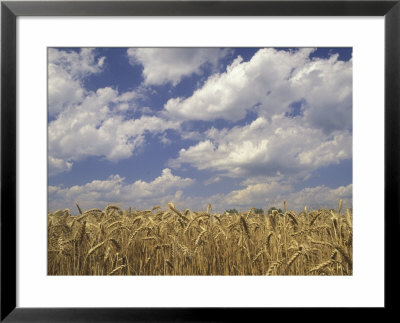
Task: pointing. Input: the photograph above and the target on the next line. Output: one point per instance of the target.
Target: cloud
(269, 84)
(326, 86)
(256, 194)
(94, 128)
(267, 194)
(66, 70)
(170, 65)
(212, 180)
(282, 146)
(114, 189)
(328, 152)
(244, 84)
(159, 186)
(321, 197)
(63, 90)
(57, 165)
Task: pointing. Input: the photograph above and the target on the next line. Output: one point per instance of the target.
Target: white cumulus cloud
(269, 84)
(115, 189)
(66, 70)
(170, 65)
(282, 146)
(93, 128)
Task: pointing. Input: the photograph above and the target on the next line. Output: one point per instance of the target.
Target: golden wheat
(168, 241)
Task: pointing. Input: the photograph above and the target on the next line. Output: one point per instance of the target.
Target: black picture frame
(10, 10)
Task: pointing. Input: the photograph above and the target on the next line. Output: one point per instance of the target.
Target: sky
(231, 127)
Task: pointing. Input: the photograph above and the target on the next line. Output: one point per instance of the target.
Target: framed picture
(189, 152)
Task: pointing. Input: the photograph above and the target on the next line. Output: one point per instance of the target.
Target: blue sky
(234, 127)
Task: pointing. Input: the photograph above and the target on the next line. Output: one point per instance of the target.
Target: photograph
(200, 161)
(191, 153)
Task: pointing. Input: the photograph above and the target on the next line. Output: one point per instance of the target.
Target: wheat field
(168, 241)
